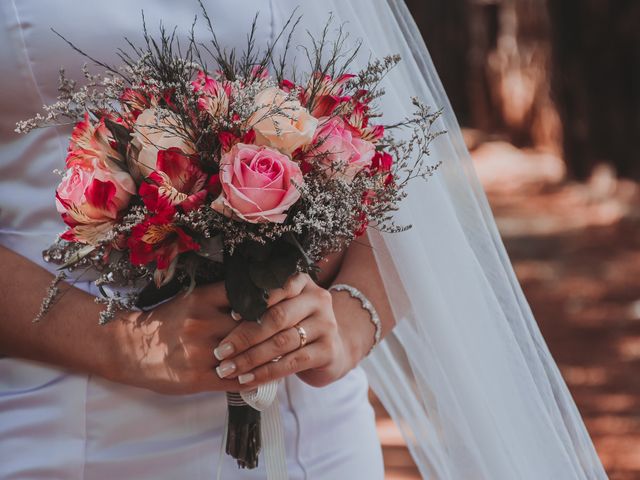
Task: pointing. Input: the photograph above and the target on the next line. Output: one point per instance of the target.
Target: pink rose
(257, 184)
(336, 147)
(90, 200)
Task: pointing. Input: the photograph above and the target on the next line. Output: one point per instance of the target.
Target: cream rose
(154, 131)
(281, 122)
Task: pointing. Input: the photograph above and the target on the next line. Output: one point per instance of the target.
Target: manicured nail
(223, 351)
(246, 378)
(225, 369)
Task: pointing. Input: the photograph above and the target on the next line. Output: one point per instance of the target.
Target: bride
(462, 368)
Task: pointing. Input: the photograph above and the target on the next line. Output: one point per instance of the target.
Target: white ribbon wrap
(265, 400)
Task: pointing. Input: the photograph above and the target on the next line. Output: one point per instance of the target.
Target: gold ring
(303, 335)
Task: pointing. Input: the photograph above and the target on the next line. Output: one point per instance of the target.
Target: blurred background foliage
(561, 74)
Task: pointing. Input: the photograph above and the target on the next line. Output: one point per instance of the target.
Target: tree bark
(444, 27)
(596, 83)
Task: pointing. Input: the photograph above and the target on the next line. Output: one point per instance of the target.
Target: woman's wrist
(118, 341)
(355, 326)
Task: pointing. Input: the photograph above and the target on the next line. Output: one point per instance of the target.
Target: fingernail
(223, 351)
(246, 378)
(236, 316)
(225, 369)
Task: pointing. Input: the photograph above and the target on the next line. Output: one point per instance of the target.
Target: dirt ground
(576, 251)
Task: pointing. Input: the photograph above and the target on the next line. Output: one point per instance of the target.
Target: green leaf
(76, 257)
(291, 239)
(262, 276)
(247, 299)
(152, 295)
(284, 262)
(255, 251)
(212, 248)
(120, 133)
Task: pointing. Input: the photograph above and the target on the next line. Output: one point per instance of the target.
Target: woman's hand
(248, 351)
(170, 349)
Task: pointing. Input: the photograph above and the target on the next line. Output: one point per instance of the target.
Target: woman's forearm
(359, 269)
(167, 350)
(68, 336)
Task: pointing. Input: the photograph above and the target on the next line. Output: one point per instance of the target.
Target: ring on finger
(302, 333)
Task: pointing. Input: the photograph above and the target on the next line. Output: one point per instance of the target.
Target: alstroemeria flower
(229, 139)
(257, 184)
(327, 94)
(90, 200)
(91, 144)
(177, 180)
(259, 72)
(214, 95)
(159, 240)
(359, 121)
(134, 102)
(381, 162)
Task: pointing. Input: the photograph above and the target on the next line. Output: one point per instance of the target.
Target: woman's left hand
(249, 350)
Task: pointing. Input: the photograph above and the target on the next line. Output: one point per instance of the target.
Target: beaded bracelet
(367, 305)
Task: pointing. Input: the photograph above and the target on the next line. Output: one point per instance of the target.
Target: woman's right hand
(170, 349)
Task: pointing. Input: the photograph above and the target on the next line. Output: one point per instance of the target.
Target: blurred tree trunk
(444, 27)
(502, 61)
(493, 59)
(596, 80)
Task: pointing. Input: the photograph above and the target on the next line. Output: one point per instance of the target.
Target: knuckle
(298, 361)
(246, 360)
(325, 295)
(278, 315)
(191, 325)
(292, 364)
(241, 339)
(245, 338)
(265, 373)
(296, 284)
(303, 357)
(281, 340)
(324, 299)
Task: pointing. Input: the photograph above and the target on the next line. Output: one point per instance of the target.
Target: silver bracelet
(367, 305)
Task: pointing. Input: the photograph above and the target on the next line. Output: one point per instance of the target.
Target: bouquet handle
(264, 402)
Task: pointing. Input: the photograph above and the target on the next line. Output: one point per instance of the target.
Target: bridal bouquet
(179, 174)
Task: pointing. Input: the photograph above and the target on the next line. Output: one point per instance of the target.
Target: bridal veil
(466, 373)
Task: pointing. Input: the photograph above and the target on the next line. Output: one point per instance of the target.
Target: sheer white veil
(466, 373)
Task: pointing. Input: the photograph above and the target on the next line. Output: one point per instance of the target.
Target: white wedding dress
(58, 425)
